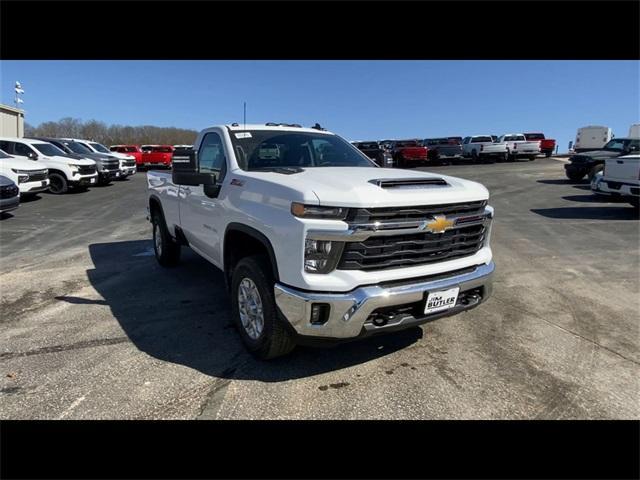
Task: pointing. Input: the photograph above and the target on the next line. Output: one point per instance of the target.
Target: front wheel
(166, 249)
(254, 311)
(575, 176)
(58, 184)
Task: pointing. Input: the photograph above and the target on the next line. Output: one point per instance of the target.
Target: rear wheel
(548, 154)
(166, 249)
(474, 156)
(254, 310)
(58, 183)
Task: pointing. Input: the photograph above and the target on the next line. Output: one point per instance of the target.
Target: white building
(11, 122)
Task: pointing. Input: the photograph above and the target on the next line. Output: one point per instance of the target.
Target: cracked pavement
(91, 326)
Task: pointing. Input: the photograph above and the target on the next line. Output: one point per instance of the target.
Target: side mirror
(32, 156)
(634, 148)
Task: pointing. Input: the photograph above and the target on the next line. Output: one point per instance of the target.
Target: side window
(6, 146)
(21, 149)
(211, 157)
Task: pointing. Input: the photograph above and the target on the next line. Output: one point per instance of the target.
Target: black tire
(532, 158)
(474, 156)
(166, 249)
(548, 154)
(595, 169)
(275, 340)
(58, 183)
(574, 176)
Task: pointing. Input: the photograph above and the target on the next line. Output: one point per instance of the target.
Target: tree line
(112, 134)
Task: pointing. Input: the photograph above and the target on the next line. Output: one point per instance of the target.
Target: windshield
(481, 139)
(618, 144)
(534, 136)
(514, 138)
(265, 149)
(48, 149)
(76, 147)
(98, 147)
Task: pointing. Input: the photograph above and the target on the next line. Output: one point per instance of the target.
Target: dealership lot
(92, 327)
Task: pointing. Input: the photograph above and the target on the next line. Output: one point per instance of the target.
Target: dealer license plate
(441, 300)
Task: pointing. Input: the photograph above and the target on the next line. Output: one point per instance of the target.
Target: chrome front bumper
(349, 312)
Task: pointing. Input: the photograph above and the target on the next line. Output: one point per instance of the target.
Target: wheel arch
(252, 240)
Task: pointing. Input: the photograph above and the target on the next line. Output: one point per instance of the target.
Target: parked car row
(32, 165)
(478, 148)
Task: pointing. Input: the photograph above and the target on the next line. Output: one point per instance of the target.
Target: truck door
(200, 215)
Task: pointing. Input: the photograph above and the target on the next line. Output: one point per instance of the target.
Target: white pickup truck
(317, 243)
(483, 148)
(518, 146)
(620, 178)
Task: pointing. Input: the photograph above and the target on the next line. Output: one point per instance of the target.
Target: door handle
(620, 161)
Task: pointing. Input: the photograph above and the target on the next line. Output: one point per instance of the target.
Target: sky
(359, 100)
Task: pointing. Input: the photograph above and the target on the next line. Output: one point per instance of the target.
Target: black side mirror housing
(33, 156)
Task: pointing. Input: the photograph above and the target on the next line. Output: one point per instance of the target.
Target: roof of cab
(261, 126)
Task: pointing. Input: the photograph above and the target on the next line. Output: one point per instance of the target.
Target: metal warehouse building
(11, 121)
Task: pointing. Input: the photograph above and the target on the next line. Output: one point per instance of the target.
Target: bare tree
(112, 134)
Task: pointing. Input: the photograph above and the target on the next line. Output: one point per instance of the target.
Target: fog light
(319, 313)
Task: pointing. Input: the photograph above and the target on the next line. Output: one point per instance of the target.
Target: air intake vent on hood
(409, 182)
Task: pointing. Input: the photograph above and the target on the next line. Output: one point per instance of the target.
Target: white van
(592, 138)
(634, 131)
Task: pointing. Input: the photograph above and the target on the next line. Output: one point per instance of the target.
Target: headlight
(321, 256)
(23, 175)
(315, 211)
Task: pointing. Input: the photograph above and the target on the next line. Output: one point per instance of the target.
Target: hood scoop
(409, 182)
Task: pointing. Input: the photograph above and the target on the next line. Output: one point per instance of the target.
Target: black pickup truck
(376, 152)
(591, 162)
(442, 149)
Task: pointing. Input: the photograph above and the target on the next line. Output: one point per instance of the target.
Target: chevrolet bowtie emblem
(439, 224)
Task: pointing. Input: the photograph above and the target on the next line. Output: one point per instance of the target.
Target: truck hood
(20, 164)
(597, 154)
(358, 186)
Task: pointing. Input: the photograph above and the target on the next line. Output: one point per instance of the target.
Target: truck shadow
(182, 315)
(589, 213)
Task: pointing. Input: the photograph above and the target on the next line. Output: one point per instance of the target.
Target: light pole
(17, 100)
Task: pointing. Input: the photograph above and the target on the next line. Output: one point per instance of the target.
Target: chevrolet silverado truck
(157, 155)
(518, 146)
(442, 150)
(317, 243)
(63, 172)
(481, 148)
(407, 153)
(376, 152)
(591, 162)
(547, 145)
(620, 178)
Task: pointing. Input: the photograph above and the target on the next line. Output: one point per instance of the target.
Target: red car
(133, 150)
(408, 152)
(157, 155)
(547, 145)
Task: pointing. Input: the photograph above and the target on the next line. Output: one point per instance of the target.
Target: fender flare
(257, 235)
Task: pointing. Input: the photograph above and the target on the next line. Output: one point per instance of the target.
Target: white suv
(28, 177)
(64, 171)
(127, 162)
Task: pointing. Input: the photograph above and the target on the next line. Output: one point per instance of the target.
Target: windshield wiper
(284, 170)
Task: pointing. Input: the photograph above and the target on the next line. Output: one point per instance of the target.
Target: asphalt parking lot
(92, 327)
